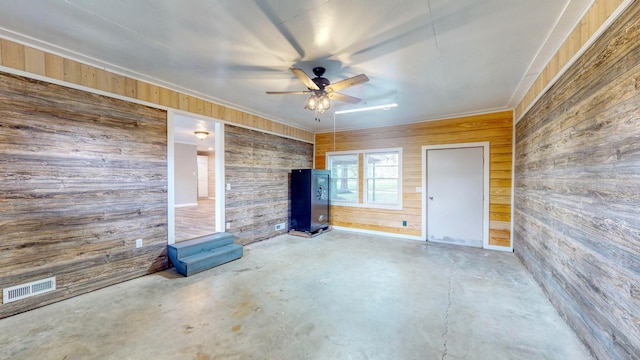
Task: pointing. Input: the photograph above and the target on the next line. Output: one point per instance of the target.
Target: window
(382, 178)
(377, 172)
(344, 177)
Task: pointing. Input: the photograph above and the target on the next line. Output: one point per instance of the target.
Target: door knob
(431, 198)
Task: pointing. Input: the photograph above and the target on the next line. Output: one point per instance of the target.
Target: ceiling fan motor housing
(322, 89)
(319, 80)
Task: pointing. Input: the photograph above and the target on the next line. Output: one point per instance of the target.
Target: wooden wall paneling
(212, 174)
(104, 80)
(89, 78)
(595, 17)
(497, 128)
(258, 167)
(34, 61)
(143, 91)
(82, 177)
(54, 66)
(12, 54)
(576, 207)
(208, 109)
(130, 88)
(169, 98)
(20, 57)
(72, 71)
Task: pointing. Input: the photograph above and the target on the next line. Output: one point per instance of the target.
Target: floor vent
(27, 290)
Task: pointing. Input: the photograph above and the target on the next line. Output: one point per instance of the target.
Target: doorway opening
(455, 196)
(195, 170)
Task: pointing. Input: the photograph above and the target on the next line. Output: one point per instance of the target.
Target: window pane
(344, 177)
(382, 191)
(383, 178)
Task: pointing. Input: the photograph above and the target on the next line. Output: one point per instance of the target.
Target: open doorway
(195, 163)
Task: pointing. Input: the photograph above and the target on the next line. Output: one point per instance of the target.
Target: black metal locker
(309, 200)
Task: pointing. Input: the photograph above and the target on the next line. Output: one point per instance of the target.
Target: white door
(455, 196)
(203, 176)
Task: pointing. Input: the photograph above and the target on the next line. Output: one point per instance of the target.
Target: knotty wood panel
(258, 167)
(577, 227)
(82, 177)
(597, 14)
(495, 128)
(38, 62)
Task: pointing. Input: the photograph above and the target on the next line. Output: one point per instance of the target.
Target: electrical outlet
(139, 243)
(280, 226)
(228, 186)
(228, 225)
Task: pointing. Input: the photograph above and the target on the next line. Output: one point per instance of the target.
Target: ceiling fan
(321, 89)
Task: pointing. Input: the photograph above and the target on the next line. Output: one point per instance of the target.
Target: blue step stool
(202, 253)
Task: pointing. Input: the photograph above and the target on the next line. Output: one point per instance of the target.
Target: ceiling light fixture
(378, 107)
(318, 102)
(200, 134)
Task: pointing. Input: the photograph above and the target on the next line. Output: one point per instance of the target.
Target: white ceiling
(435, 58)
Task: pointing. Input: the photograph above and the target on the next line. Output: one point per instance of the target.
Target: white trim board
(373, 232)
(171, 196)
(185, 205)
(403, 237)
(486, 171)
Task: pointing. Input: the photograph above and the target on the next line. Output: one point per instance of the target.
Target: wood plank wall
(597, 14)
(497, 128)
(577, 218)
(20, 57)
(82, 176)
(258, 168)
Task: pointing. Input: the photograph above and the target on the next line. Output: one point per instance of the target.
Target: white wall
(186, 174)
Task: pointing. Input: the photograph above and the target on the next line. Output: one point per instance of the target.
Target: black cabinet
(309, 200)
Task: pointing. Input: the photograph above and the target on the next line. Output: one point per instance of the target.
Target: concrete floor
(339, 295)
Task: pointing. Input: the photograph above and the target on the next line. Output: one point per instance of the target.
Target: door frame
(219, 173)
(485, 186)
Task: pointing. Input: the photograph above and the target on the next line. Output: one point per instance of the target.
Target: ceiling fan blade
(306, 80)
(343, 84)
(345, 98)
(289, 92)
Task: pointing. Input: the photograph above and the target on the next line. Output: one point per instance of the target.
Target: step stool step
(196, 245)
(205, 260)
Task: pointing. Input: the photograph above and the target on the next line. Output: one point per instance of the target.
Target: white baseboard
(373, 232)
(409, 237)
(185, 205)
(499, 248)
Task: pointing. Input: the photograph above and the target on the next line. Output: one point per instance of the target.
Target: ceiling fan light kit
(319, 103)
(321, 90)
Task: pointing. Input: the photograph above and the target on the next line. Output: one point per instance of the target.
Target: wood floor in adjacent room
(194, 221)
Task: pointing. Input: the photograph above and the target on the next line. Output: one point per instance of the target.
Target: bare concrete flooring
(339, 295)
